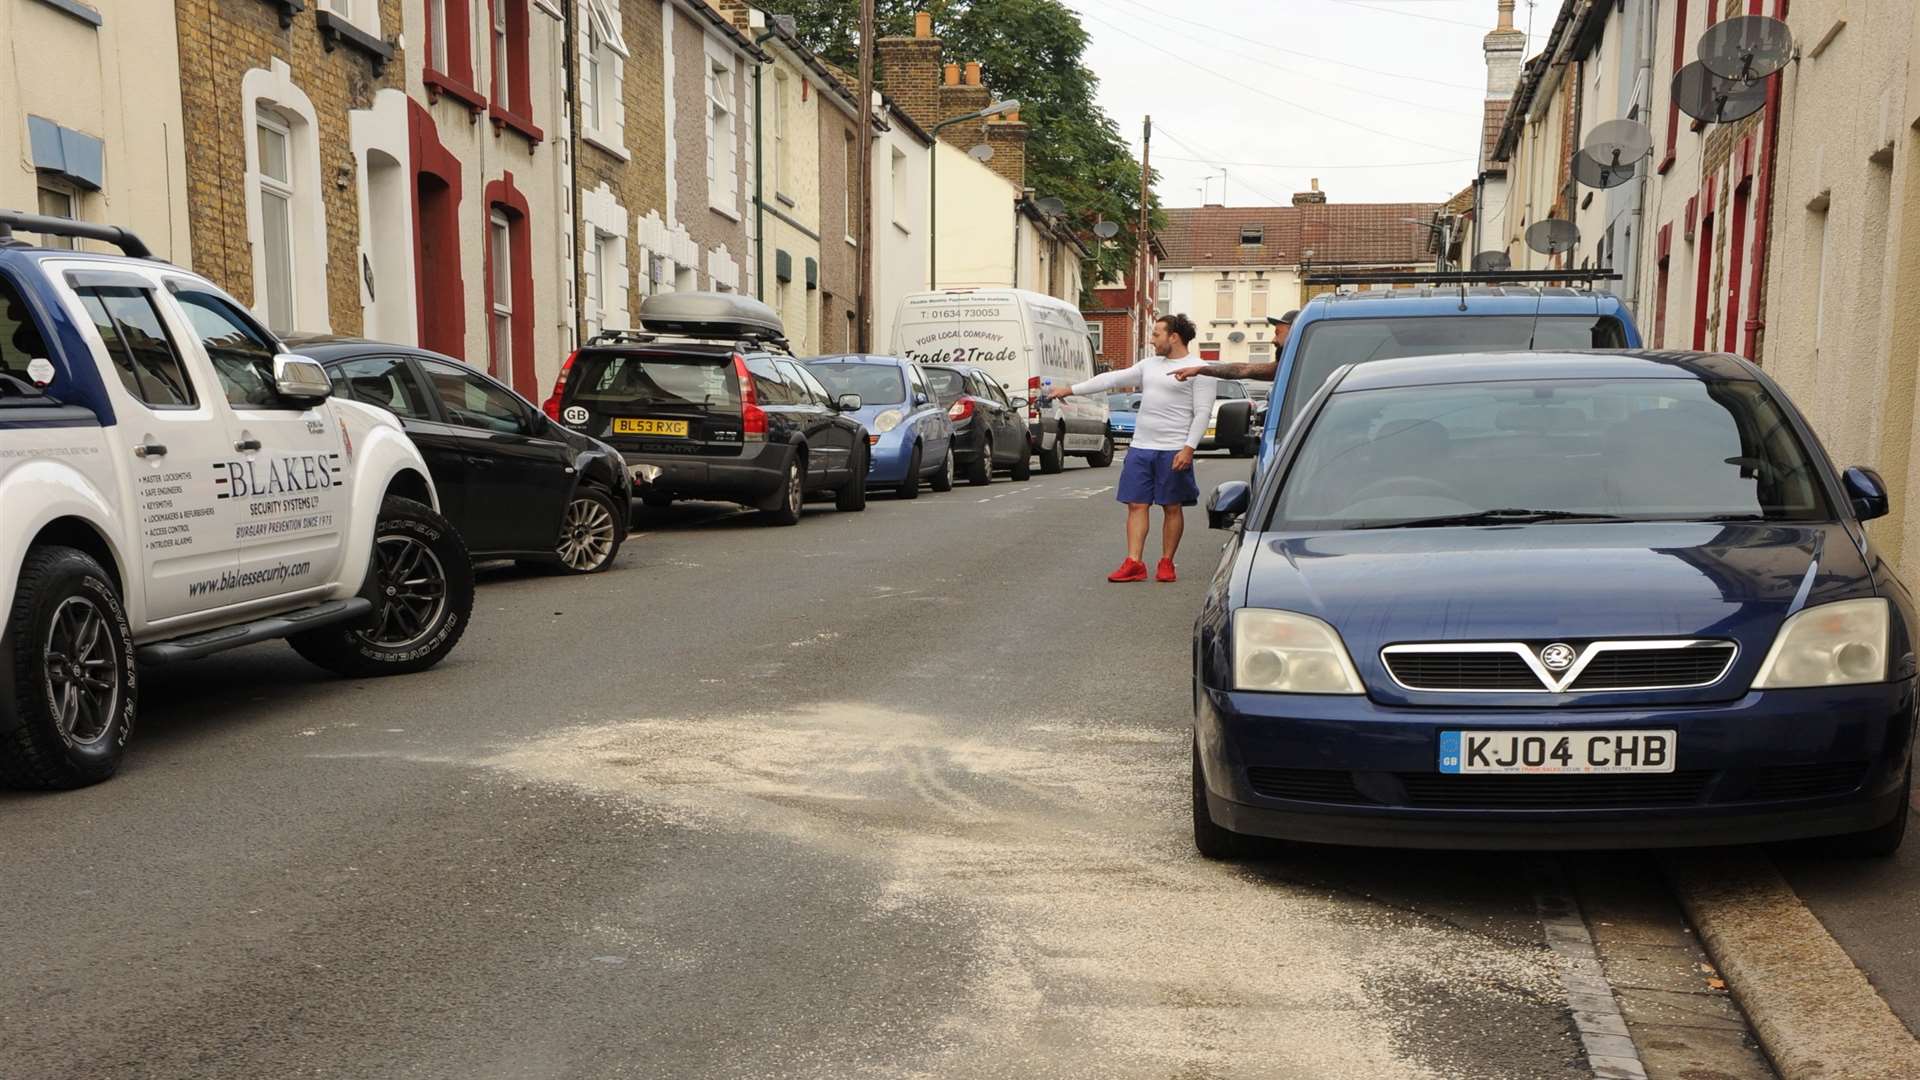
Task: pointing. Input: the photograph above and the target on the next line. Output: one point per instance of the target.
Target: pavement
(893, 794)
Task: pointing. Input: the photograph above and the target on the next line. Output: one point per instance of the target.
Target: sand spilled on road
(1103, 947)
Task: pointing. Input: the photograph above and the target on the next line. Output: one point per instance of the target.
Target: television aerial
(1488, 261)
(1554, 236)
(1747, 48)
(1711, 99)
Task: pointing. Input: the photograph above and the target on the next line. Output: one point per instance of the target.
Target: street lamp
(998, 108)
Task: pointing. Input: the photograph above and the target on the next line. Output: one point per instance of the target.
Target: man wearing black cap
(1282, 325)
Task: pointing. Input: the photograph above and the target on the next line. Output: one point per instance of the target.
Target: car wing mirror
(1228, 504)
(300, 378)
(921, 399)
(1019, 403)
(847, 403)
(1233, 423)
(1867, 492)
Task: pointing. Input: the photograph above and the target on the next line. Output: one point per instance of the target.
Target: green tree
(1031, 51)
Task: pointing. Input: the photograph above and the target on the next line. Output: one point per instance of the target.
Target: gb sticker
(575, 414)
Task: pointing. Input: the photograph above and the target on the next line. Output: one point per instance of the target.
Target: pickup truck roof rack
(1459, 277)
(124, 239)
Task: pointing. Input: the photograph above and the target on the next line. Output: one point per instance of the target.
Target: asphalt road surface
(893, 794)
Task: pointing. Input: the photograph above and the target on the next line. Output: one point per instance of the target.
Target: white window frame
(723, 139)
(1228, 290)
(437, 32)
(777, 161)
(846, 194)
(1097, 336)
(603, 60)
(285, 191)
(902, 190)
(501, 84)
(59, 189)
(363, 14)
(1261, 292)
(500, 252)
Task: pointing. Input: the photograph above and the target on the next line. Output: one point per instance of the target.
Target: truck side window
(20, 344)
(146, 358)
(241, 356)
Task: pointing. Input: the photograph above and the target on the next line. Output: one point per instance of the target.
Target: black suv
(708, 403)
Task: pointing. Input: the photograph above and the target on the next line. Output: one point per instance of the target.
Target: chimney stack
(1316, 197)
(908, 71)
(1506, 49)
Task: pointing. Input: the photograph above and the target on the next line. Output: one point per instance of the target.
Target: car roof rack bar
(654, 337)
(1459, 277)
(124, 239)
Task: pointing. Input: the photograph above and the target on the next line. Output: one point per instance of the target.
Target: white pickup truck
(172, 484)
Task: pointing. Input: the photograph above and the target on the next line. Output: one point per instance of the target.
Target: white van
(1026, 340)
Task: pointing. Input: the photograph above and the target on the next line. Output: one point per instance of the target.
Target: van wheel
(1881, 842)
(1023, 465)
(943, 480)
(910, 487)
(793, 496)
(1053, 461)
(1212, 841)
(980, 469)
(74, 688)
(1105, 457)
(852, 496)
(421, 583)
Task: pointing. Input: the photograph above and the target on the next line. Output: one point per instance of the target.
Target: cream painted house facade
(791, 93)
(92, 123)
(900, 158)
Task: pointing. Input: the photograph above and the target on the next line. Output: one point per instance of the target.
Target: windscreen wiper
(1512, 515)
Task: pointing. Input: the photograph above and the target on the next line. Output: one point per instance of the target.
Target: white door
(171, 424)
(288, 473)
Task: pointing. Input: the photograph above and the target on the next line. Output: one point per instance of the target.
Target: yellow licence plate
(623, 426)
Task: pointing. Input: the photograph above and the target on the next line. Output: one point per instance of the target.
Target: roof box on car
(710, 314)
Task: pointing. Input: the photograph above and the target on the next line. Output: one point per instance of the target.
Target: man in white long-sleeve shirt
(1159, 467)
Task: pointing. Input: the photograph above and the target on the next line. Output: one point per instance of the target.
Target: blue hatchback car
(1553, 601)
(908, 430)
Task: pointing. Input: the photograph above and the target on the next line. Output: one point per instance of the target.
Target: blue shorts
(1148, 476)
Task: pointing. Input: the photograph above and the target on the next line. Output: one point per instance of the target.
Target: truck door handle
(247, 444)
(147, 450)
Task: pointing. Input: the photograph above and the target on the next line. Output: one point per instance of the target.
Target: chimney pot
(952, 73)
(922, 25)
(973, 73)
(1506, 15)
(1013, 117)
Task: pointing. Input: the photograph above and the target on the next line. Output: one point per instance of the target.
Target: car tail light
(961, 410)
(552, 406)
(1033, 397)
(753, 419)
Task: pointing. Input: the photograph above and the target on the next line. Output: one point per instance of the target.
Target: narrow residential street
(893, 794)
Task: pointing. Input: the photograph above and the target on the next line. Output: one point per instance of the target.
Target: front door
(518, 481)
(289, 473)
(173, 426)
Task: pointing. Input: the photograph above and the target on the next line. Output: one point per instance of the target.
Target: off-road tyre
(418, 557)
(852, 496)
(910, 487)
(1211, 840)
(73, 730)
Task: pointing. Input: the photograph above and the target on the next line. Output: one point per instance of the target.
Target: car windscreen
(604, 380)
(877, 384)
(1123, 402)
(1541, 450)
(1326, 344)
(948, 385)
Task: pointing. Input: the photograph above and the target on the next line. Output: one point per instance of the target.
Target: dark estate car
(989, 428)
(708, 404)
(1550, 601)
(515, 484)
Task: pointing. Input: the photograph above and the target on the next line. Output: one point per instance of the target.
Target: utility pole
(1143, 253)
(863, 293)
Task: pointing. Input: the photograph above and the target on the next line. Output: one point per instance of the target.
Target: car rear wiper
(1512, 515)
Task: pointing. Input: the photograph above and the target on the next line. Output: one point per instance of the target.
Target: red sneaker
(1131, 570)
(1165, 571)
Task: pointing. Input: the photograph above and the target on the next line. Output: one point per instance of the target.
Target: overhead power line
(1279, 165)
(1415, 15)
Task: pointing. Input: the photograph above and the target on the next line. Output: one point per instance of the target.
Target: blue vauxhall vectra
(1552, 600)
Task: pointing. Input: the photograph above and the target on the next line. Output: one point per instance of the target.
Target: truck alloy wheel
(74, 689)
(82, 671)
(413, 591)
(420, 580)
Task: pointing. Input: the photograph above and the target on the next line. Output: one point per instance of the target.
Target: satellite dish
(1492, 260)
(1595, 174)
(1748, 48)
(1237, 337)
(1620, 142)
(982, 153)
(1707, 97)
(785, 24)
(1051, 206)
(1554, 236)
(1106, 230)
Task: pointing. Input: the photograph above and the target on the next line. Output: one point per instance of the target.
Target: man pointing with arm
(1159, 466)
(1263, 371)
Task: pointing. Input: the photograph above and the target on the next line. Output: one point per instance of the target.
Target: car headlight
(887, 421)
(1840, 644)
(1283, 652)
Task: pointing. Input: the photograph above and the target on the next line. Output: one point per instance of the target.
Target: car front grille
(1512, 667)
(1443, 791)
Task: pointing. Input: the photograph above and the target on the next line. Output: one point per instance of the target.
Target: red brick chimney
(908, 71)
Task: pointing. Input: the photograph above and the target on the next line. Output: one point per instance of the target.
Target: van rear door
(657, 401)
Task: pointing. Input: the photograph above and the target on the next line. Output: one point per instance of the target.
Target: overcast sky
(1379, 99)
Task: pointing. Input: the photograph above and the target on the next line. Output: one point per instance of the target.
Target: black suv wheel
(74, 690)
(421, 584)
